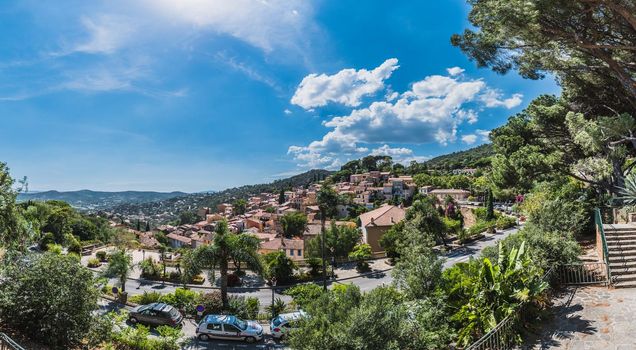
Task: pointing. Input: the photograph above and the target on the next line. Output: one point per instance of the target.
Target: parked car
(230, 328)
(156, 314)
(283, 323)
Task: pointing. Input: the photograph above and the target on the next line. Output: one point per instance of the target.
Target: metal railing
(499, 338)
(7, 343)
(598, 220)
(584, 274)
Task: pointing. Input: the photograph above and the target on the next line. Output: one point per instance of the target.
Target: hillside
(471, 158)
(96, 200)
(166, 210)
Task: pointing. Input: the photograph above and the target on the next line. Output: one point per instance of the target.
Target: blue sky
(195, 95)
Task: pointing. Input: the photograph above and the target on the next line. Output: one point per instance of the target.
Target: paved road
(264, 295)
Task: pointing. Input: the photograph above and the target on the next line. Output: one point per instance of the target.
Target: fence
(7, 343)
(502, 337)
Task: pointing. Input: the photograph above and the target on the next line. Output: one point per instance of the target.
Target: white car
(229, 327)
(283, 323)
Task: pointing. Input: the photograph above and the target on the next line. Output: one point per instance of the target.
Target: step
(621, 247)
(622, 271)
(629, 284)
(623, 265)
(630, 241)
(620, 235)
(622, 252)
(620, 259)
(624, 278)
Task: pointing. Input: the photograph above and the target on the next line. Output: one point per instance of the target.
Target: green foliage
(46, 239)
(472, 158)
(418, 271)
(51, 298)
(239, 207)
(146, 298)
(119, 266)
(101, 255)
(503, 222)
(94, 262)
(184, 299)
(339, 241)
(304, 294)
(242, 307)
(484, 294)
(361, 253)
(212, 302)
(327, 199)
(188, 217)
(444, 181)
(490, 209)
(138, 338)
(277, 308)
(294, 224)
(279, 265)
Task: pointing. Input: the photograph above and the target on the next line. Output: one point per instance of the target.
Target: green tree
(224, 248)
(361, 253)
(239, 207)
(490, 209)
(187, 217)
(189, 267)
(327, 199)
(279, 265)
(119, 266)
(51, 298)
(281, 196)
(294, 224)
(418, 272)
(339, 242)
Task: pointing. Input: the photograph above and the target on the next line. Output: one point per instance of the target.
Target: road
(365, 283)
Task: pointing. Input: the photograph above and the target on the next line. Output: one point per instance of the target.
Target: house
(178, 241)
(457, 195)
(293, 248)
(375, 223)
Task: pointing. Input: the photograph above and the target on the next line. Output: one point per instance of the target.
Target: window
(291, 252)
(230, 328)
(300, 252)
(214, 326)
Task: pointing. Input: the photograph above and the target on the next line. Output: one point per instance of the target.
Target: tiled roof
(386, 215)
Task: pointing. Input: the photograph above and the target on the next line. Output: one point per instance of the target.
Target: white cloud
(455, 71)
(287, 111)
(469, 139)
(107, 34)
(263, 24)
(401, 155)
(346, 87)
(485, 135)
(430, 111)
(493, 98)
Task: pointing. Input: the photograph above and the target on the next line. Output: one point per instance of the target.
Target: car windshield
(240, 324)
(277, 321)
(174, 313)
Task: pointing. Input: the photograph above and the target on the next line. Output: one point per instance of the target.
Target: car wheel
(133, 320)
(250, 340)
(204, 337)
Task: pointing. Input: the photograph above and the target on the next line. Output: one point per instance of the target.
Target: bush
(303, 294)
(242, 307)
(315, 266)
(182, 299)
(361, 253)
(94, 262)
(212, 302)
(480, 227)
(452, 227)
(101, 255)
(146, 298)
(503, 222)
(277, 308)
(279, 265)
(47, 239)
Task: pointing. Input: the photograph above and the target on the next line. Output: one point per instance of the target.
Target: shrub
(101, 255)
(303, 294)
(451, 226)
(47, 239)
(277, 308)
(360, 253)
(146, 298)
(480, 227)
(315, 266)
(503, 222)
(212, 302)
(279, 265)
(183, 299)
(243, 307)
(94, 262)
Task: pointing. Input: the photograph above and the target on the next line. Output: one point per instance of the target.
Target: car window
(230, 328)
(240, 324)
(174, 313)
(287, 325)
(214, 326)
(277, 321)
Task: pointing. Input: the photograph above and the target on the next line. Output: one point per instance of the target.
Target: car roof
(220, 319)
(293, 315)
(160, 306)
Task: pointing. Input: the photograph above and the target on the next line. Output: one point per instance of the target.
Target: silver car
(230, 328)
(283, 323)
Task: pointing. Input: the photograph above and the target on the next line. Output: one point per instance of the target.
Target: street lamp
(273, 283)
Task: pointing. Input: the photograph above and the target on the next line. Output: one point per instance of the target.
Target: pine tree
(490, 211)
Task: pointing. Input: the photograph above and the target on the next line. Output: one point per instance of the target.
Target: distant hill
(477, 157)
(96, 200)
(169, 209)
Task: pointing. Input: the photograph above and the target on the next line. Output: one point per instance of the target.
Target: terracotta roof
(450, 190)
(179, 238)
(276, 244)
(386, 215)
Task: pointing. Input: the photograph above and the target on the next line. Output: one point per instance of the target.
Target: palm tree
(119, 267)
(225, 247)
(327, 200)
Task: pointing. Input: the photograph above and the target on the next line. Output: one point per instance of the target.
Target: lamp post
(273, 283)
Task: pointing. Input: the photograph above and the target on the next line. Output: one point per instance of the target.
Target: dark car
(156, 314)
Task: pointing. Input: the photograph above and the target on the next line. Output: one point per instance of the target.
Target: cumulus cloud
(346, 87)
(469, 139)
(494, 98)
(401, 155)
(455, 71)
(430, 111)
(484, 134)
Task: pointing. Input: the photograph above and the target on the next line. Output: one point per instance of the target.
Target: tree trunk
(223, 272)
(123, 284)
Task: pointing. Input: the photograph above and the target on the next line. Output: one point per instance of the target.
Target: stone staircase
(621, 246)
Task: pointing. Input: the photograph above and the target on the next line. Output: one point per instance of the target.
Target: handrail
(598, 220)
(8, 343)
